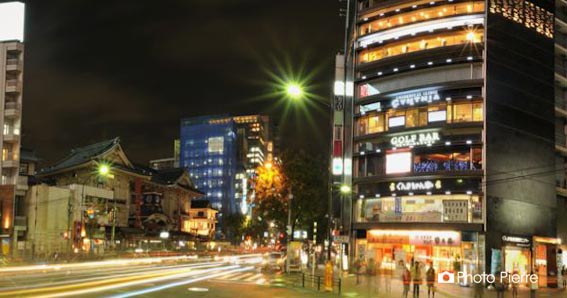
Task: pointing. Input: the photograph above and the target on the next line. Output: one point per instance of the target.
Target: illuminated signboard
(436, 238)
(337, 166)
(370, 107)
(12, 21)
(415, 139)
(415, 185)
(412, 99)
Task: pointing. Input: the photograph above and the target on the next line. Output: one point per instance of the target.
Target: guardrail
(318, 282)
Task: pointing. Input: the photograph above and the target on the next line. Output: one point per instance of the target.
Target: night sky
(133, 68)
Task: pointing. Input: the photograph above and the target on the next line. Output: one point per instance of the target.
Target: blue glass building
(208, 149)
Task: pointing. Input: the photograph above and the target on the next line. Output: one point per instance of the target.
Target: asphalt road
(236, 276)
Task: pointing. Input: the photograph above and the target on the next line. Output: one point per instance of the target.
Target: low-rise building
(202, 220)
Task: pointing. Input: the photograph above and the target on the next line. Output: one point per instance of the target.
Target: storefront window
(477, 112)
(412, 116)
(376, 124)
(418, 44)
(444, 250)
(419, 117)
(462, 113)
(418, 208)
(453, 161)
(421, 15)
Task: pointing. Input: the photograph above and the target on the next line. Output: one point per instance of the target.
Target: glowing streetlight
(294, 90)
(103, 170)
(345, 189)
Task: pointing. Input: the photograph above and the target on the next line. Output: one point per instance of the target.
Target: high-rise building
(221, 153)
(446, 127)
(561, 118)
(11, 85)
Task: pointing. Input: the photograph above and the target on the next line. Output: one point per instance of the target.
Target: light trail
(145, 280)
(176, 284)
(132, 272)
(64, 280)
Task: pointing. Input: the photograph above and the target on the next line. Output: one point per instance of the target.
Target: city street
(229, 276)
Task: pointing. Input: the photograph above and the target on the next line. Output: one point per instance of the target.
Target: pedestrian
(515, 284)
(430, 279)
(478, 289)
(416, 274)
(533, 286)
(564, 275)
(406, 279)
(499, 286)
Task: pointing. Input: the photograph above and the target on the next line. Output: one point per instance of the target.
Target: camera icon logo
(446, 277)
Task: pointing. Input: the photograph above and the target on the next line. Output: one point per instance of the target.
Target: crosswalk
(242, 277)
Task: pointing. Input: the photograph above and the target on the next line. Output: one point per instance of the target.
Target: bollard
(318, 283)
(303, 280)
(339, 286)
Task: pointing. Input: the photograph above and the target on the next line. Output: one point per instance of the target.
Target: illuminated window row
(471, 20)
(426, 14)
(420, 44)
(420, 117)
(526, 13)
(437, 161)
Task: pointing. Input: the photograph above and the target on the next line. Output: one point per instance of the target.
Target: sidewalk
(386, 287)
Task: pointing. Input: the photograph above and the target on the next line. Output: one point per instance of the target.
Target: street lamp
(345, 189)
(294, 90)
(103, 171)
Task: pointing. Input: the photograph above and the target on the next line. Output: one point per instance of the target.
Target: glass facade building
(209, 152)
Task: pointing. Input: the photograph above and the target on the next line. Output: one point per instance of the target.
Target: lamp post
(289, 230)
(104, 171)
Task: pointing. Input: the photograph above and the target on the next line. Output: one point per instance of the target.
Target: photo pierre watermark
(447, 277)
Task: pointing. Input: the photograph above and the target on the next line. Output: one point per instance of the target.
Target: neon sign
(415, 139)
(412, 99)
(419, 185)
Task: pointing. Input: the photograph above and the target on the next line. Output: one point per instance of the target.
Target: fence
(318, 282)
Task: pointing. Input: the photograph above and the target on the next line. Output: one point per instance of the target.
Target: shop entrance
(517, 259)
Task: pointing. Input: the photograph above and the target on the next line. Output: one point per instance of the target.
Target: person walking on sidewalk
(416, 275)
(500, 286)
(564, 276)
(406, 279)
(430, 277)
(515, 284)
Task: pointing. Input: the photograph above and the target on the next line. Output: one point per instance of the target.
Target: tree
(307, 178)
(270, 199)
(234, 225)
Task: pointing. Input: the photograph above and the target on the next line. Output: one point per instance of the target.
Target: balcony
(14, 65)
(14, 86)
(11, 137)
(12, 110)
(10, 163)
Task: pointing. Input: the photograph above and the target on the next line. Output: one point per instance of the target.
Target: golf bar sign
(416, 139)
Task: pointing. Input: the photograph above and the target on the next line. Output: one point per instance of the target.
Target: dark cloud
(98, 69)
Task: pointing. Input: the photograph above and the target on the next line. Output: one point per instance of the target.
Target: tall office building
(445, 125)
(11, 85)
(222, 153)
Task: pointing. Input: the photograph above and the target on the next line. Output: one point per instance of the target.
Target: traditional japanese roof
(109, 150)
(28, 155)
